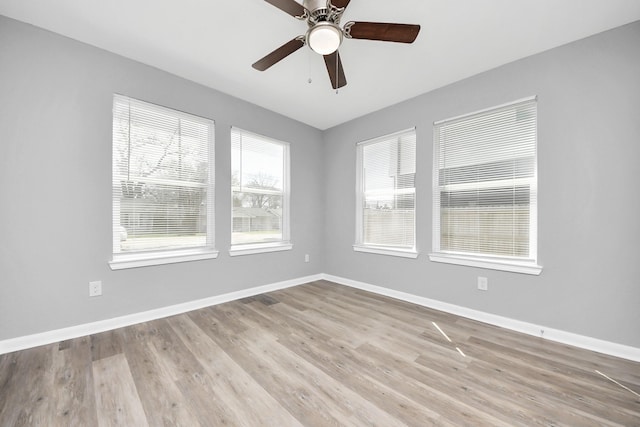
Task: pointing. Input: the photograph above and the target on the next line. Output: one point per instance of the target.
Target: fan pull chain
(310, 80)
(337, 75)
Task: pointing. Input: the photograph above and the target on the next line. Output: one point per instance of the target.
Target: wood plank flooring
(319, 354)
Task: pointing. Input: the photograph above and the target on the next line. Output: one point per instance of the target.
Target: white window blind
(385, 216)
(162, 180)
(260, 190)
(485, 184)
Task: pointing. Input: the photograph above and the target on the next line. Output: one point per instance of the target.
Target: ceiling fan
(324, 35)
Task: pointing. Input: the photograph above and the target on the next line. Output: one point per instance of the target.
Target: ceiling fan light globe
(324, 38)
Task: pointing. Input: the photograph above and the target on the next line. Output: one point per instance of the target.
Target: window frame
(380, 249)
(522, 265)
(143, 258)
(284, 244)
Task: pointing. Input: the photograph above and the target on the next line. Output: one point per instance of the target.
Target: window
(260, 194)
(162, 185)
(485, 189)
(386, 195)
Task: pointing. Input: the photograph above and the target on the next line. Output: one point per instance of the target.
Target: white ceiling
(214, 42)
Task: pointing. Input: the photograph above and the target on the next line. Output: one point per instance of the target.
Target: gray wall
(55, 187)
(589, 200)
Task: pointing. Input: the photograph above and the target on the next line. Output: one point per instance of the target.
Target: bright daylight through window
(485, 189)
(385, 206)
(260, 193)
(162, 185)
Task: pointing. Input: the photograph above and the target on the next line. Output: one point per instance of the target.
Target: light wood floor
(315, 355)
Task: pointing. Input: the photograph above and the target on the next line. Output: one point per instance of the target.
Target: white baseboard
(35, 340)
(581, 341)
(588, 343)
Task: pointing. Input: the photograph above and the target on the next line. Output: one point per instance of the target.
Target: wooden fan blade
(279, 54)
(335, 70)
(340, 3)
(400, 33)
(291, 7)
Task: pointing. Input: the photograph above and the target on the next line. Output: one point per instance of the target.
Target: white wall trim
(491, 264)
(238, 250)
(35, 340)
(587, 343)
(405, 253)
(123, 261)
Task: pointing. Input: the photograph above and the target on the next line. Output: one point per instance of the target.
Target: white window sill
(123, 261)
(259, 248)
(405, 253)
(492, 264)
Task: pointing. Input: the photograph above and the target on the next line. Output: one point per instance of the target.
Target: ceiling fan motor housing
(322, 11)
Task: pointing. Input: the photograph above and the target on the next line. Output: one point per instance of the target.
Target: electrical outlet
(306, 258)
(483, 283)
(95, 288)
